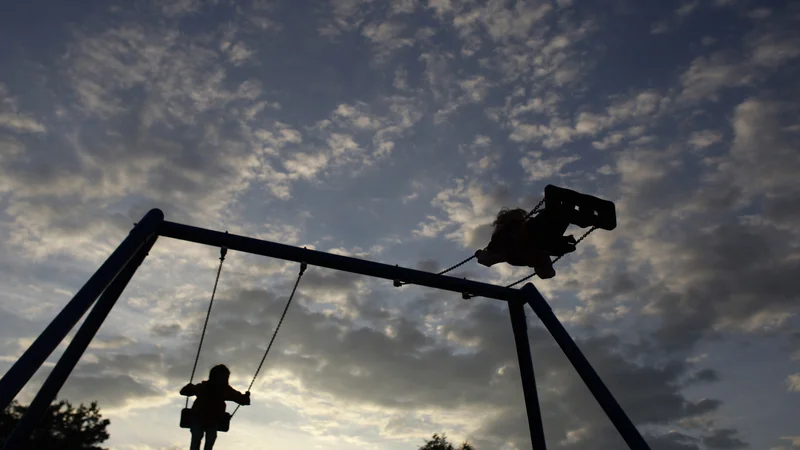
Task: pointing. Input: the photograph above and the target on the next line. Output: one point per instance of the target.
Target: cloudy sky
(394, 131)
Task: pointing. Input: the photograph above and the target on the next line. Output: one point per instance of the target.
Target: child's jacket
(209, 407)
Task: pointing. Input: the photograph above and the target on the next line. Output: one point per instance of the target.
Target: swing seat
(580, 209)
(187, 419)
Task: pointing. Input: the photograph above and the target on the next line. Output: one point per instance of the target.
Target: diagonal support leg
(21, 372)
(74, 351)
(601, 393)
(520, 327)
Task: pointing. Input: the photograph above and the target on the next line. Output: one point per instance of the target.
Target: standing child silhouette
(209, 408)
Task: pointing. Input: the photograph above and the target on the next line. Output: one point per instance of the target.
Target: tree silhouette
(63, 427)
(440, 443)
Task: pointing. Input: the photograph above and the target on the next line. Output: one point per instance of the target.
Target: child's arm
(238, 397)
(189, 390)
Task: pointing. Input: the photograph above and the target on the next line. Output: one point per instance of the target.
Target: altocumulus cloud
(395, 131)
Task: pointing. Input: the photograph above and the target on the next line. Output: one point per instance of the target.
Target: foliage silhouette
(440, 443)
(63, 427)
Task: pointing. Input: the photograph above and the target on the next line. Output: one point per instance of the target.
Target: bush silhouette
(63, 427)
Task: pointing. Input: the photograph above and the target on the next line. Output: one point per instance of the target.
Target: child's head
(219, 375)
(506, 216)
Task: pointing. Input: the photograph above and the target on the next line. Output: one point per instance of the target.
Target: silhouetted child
(528, 242)
(209, 408)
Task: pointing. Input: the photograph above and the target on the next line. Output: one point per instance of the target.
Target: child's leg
(197, 436)
(542, 265)
(211, 437)
(545, 232)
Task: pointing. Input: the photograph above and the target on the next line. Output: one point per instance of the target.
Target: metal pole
(520, 327)
(21, 372)
(337, 262)
(601, 393)
(74, 351)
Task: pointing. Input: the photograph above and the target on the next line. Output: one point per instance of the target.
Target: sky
(394, 131)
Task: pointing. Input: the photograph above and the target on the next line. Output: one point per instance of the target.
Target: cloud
(349, 125)
(344, 16)
(757, 125)
(498, 21)
(793, 440)
(707, 75)
(13, 120)
(110, 342)
(386, 37)
(483, 156)
(539, 168)
(475, 88)
(687, 8)
(759, 13)
(793, 382)
(390, 367)
(404, 6)
(110, 392)
(763, 53)
(174, 8)
(704, 138)
(635, 109)
(715, 278)
(307, 165)
(724, 439)
(432, 228)
(225, 127)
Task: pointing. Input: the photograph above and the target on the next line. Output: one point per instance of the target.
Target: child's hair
(506, 216)
(219, 374)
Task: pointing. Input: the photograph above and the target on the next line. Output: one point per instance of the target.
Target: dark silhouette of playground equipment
(105, 286)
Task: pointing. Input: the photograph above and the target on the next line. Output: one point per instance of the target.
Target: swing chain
(535, 209)
(398, 283)
(222, 252)
(303, 267)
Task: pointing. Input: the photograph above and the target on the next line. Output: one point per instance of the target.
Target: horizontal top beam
(337, 262)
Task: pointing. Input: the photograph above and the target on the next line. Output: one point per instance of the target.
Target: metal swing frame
(104, 288)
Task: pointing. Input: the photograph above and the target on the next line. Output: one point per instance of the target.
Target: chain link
(398, 283)
(535, 209)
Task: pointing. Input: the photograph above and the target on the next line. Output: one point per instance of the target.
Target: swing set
(105, 286)
(225, 424)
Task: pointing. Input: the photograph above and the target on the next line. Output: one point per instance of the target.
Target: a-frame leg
(520, 327)
(74, 351)
(601, 393)
(23, 369)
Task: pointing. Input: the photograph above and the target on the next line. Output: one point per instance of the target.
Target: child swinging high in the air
(524, 241)
(208, 411)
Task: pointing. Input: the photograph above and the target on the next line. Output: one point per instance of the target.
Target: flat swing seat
(187, 419)
(580, 209)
